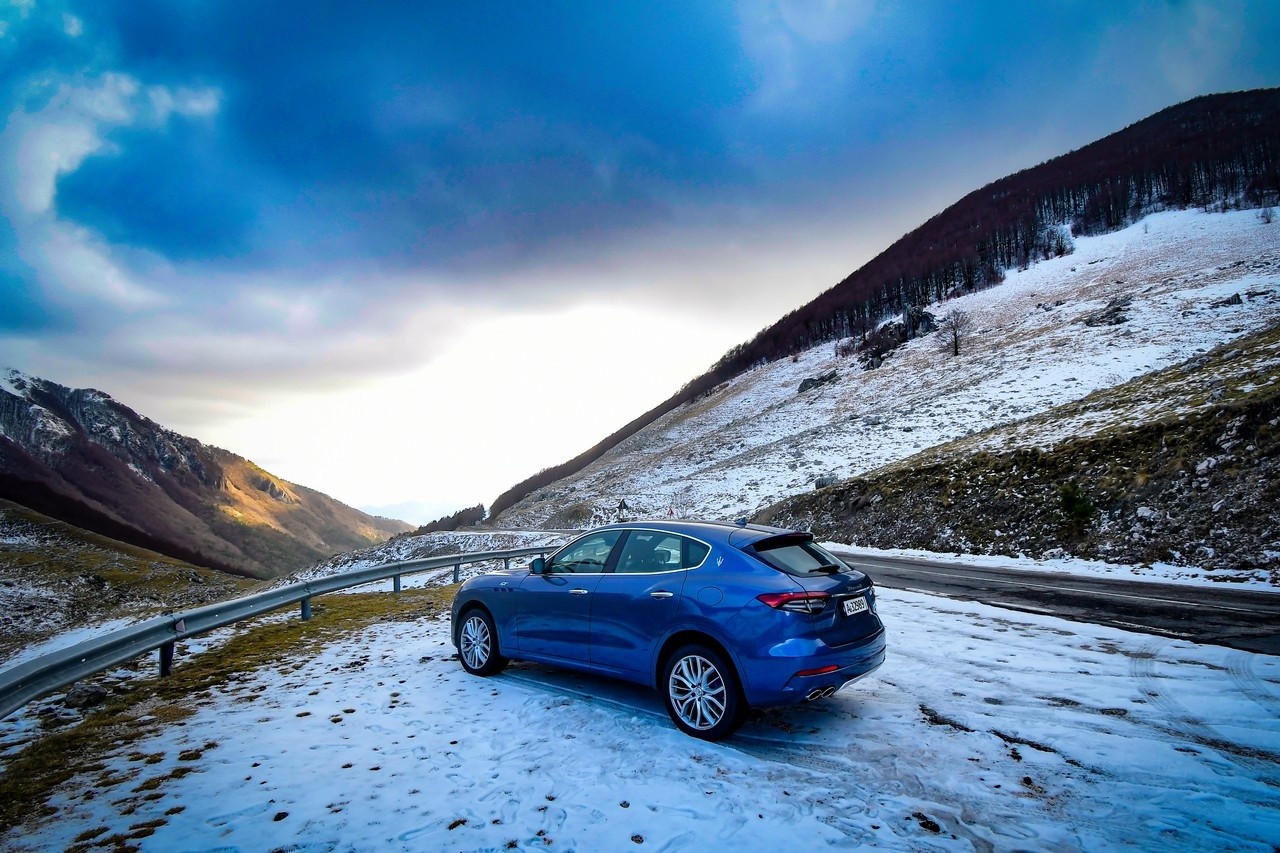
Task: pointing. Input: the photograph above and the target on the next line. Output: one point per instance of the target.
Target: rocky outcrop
(919, 322)
(273, 489)
(817, 381)
(1115, 313)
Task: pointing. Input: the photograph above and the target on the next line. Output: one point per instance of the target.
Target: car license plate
(855, 605)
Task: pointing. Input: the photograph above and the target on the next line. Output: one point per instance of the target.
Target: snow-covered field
(757, 439)
(985, 729)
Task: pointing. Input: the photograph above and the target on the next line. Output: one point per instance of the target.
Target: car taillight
(796, 602)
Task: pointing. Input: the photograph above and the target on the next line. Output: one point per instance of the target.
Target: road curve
(1237, 618)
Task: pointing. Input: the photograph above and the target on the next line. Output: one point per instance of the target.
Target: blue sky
(360, 244)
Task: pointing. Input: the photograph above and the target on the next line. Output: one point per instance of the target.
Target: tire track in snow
(1240, 666)
(1182, 723)
(818, 760)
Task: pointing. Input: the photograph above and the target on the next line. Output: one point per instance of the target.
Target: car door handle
(662, 593)
(578, 591)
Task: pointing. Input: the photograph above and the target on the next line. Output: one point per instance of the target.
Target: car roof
(738, 534)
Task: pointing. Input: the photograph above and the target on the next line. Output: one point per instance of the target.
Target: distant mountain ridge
(1213, 152)
(81, 457)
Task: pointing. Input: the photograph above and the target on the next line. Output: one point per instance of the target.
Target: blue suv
(719, 617)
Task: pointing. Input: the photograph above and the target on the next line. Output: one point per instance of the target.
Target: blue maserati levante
(717, 616)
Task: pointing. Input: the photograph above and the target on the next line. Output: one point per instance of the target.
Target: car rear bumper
(796, 671)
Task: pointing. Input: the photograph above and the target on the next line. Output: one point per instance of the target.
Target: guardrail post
(166, 660)
(457, 571)
(395, 584)
(506, 563)
(306, 608)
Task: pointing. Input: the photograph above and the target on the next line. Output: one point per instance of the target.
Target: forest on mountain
(1215, 152)
(469, 517)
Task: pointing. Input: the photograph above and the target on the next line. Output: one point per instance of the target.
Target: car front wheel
(702, 693)
(478, 644)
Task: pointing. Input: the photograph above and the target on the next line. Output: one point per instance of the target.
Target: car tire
(478, 644)
(702, 692)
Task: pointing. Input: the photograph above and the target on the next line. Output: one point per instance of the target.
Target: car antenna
(741, 522)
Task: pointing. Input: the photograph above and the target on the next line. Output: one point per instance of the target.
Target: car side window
(648, 551)
(587, 556)
(694, 553)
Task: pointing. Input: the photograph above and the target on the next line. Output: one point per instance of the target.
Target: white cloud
(72, 26)
(39, 152)
(82, 266)
(73, 266)
(825, 21)
(41, 146)
(20, 8)
(789, 42)
(183, 101)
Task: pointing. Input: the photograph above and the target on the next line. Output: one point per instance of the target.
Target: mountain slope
(1157, 294)
(55, 577)
(80, 456)
(1180, 466)
(1216, 151)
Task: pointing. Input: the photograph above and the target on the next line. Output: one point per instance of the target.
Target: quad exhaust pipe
(820, 693)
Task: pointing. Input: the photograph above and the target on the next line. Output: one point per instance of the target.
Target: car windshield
(586, 556)
(797, 556)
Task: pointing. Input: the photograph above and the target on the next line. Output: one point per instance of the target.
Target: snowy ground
(985, 729)
(64, 640)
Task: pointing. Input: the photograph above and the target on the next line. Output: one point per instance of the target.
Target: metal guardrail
(26, 681)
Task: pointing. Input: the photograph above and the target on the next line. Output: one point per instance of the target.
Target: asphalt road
(1237, 618)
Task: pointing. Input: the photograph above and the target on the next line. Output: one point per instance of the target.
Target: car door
(637, 602)
(553, 614)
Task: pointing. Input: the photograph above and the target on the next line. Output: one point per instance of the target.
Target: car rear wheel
(702, 693)
(478, 644)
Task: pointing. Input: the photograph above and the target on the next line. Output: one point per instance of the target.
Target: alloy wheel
(697, 692)
(476, 642)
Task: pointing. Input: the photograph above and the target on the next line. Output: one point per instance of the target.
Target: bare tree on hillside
(954, 332)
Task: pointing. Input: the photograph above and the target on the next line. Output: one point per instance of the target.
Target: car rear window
(796, 555)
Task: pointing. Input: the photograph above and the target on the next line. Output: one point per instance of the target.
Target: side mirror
(539, 565)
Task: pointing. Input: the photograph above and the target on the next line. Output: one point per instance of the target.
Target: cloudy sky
(414, 252)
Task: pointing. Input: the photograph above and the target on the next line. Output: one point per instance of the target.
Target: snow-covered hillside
(1184, 282)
